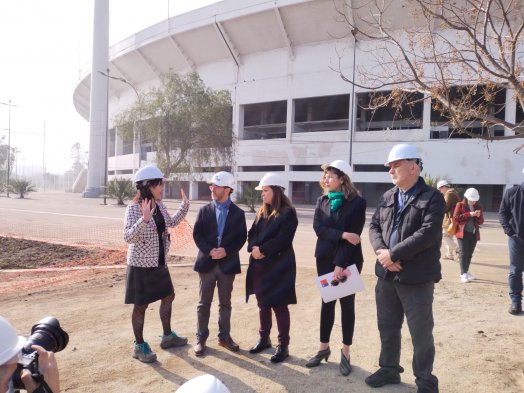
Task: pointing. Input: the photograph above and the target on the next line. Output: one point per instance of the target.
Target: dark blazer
(419, 235)
(233, 238)
(279, 270)
(329, 228)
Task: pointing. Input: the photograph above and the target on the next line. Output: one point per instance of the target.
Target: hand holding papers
(331, 289)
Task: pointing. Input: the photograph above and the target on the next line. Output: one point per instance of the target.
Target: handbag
(452, 228)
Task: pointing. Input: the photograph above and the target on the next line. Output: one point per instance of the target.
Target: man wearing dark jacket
(406, 235)
(220, 232)
(511, 217)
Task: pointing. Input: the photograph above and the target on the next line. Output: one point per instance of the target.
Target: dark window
(321, 113)
(213, 169)
(265, 120)
(492, 101)
(519, 118)
(262, 168)
(370, 168)
(305, 192)
(378, 111)
(306, 168)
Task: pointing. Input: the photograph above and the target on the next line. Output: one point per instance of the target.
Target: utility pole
(9, 105)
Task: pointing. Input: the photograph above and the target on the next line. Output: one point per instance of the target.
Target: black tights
(139, 313)
(327, 319)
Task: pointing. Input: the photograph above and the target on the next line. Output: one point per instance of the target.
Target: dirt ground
(479, 344)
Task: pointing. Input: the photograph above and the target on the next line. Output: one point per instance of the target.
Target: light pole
(134, 122)
(9, 105)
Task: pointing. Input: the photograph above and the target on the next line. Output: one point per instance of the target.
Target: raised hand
(146, 209)
(183, 195)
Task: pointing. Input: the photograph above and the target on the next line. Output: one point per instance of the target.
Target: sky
(44, 47)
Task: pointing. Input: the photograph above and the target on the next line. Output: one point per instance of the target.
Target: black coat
(279, 269)
(419, 235)
(233, 238)
(328, 226)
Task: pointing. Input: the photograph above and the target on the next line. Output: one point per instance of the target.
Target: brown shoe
(200, 347)
(228, 343)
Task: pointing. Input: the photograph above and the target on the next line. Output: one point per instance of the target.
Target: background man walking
(220, 232)
(406, 234)
(511, 217)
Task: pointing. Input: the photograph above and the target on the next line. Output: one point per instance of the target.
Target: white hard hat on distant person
(11, 343)
(442, 183)
(148, 172)
(203, 384)
(341, 165)
(271, 179)
(402, 151)
(223, 179)
(472, 194)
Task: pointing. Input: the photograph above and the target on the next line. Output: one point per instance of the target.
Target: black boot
(263, 343)
(281, 354)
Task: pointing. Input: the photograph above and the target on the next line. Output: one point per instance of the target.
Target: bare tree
(462, 54)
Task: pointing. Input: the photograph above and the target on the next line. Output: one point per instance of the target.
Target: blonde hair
(347, 186)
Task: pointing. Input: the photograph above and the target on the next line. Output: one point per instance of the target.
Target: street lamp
(9, 105)
(134, 122)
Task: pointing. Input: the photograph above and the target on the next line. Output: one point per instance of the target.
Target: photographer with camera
(11, 345)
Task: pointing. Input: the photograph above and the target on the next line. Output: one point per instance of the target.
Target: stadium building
(292, 111)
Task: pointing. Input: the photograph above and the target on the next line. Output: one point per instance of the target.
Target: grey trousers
(224, 283)
(395, 300)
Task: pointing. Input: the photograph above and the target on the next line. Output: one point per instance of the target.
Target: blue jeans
(516, 265)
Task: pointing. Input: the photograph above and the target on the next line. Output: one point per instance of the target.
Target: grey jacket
(419, 236)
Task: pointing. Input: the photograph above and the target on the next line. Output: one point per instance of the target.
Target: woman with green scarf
(339, 220)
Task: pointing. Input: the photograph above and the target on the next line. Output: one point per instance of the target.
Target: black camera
(49, 335)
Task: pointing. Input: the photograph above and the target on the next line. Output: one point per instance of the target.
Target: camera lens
(48, 334)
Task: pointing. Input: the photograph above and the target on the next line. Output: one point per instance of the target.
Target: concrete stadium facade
(292, 111)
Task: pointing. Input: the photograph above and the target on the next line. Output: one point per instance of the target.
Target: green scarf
(336, 199)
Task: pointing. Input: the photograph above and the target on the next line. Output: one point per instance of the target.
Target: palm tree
(21, 187)
(120, 189)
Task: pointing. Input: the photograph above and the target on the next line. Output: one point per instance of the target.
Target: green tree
(189, 124)
(461, 54)
(249, 196)
(21, 187)
(79, 159)
(121, 190)
(3, 164)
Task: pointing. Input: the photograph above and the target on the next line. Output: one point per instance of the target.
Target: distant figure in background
(468, 214)
(147, 277)
(339, 219)
(511, 217)
(452, 198)
(272, 270)
(220, 232)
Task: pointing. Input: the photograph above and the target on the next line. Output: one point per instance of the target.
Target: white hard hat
(341, 165)
(442, 183)
(223, 179)
(148, 172)
(472, 194)
(271, 179)
(402, 151)
(203, 384)
(11, 343)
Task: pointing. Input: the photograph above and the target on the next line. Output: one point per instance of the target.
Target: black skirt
(146, 285)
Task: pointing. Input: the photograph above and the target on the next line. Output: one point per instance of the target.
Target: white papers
(330, 292)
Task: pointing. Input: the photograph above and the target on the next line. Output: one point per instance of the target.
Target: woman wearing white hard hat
(147, 278)
(272, 268)
(338, 223)
(10, 346)
(468, 214)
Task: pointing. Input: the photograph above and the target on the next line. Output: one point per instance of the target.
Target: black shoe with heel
(262, 344)
(317, 359)
(345, 365)
(280, 354)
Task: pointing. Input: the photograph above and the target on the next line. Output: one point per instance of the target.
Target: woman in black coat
(272, 267)
(339, 219)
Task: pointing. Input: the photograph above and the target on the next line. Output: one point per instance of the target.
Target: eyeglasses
(335, 282)
(212, 186)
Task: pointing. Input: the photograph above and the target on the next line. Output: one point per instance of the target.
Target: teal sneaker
(172, 340)
(144, 353)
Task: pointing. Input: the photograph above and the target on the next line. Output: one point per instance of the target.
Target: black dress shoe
(345, 365)
(515, 309)
(228, 343)
(317, 359)
(262, 344)
(280, 354)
